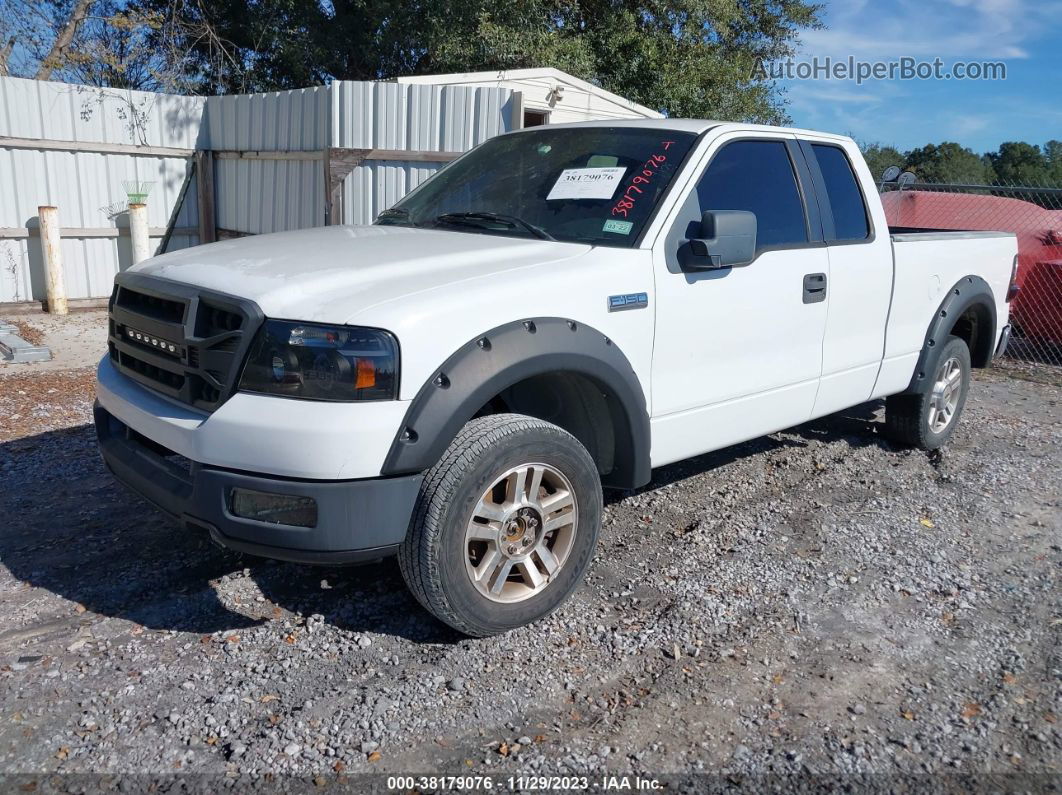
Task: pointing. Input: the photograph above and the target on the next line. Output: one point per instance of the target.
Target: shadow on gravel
(72, 529)
(857, 427)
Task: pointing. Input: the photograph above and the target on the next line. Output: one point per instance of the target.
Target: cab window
(757, 176)
(843, 194)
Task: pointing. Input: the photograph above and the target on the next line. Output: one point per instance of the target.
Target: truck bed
(926, 264)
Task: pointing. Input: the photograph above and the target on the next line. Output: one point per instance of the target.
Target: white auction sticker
(586, 183)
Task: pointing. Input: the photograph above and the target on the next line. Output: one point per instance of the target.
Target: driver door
(738, 351)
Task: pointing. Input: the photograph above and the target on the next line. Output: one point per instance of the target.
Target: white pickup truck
(560, 309)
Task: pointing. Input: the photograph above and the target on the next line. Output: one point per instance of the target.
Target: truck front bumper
(339, 521)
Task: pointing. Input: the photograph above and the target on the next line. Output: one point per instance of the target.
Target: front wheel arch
(483, 369)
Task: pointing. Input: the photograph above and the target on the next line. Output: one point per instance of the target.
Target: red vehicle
(1037, 311)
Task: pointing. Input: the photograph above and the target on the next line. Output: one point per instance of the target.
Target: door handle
(814, 288)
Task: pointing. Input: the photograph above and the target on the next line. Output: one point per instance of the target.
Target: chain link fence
(1034, 214)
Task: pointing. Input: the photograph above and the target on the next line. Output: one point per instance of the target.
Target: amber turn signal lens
(366, 374)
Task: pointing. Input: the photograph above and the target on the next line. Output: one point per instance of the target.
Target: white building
(548, 96)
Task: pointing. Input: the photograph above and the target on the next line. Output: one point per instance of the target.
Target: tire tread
(903, 415)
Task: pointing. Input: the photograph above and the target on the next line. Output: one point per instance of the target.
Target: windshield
(595, 185)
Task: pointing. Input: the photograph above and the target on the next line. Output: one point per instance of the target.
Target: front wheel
(505, 525)
(928, 420)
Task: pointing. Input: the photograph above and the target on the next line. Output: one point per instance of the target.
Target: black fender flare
(969, 291)
(485, 366)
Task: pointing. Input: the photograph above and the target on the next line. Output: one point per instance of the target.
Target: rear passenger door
(860, 256)
(738, 351)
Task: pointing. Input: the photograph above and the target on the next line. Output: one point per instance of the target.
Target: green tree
(1020, 163)
(1053, 155)
(880, 157)
(948, 163)
(683, 57)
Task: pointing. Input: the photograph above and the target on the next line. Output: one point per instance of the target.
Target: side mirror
(727, 240)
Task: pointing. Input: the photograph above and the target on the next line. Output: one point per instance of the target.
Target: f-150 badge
(618, 303)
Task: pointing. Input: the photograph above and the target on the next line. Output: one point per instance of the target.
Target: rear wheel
(505, 525)
(928, 420)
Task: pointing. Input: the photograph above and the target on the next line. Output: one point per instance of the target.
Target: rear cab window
(850, 218)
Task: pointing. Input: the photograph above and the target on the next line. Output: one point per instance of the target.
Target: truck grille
(184, 342)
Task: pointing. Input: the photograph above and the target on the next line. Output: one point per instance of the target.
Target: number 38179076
(650, 169)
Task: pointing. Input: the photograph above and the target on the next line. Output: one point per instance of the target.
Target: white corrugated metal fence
(74, 146)
(287, 194)
(392, 116)
(80, 181)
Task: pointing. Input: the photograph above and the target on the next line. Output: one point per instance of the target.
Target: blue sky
(1025, 34)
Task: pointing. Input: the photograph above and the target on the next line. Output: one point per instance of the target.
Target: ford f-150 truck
(559, 309)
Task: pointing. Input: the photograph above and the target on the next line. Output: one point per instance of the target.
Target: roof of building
(531, 74)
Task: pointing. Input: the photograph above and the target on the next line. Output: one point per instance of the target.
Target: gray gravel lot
(813, 602)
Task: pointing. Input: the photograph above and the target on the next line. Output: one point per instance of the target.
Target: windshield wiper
(396, 214)
(501, 218)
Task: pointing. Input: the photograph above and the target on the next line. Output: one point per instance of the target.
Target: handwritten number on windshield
(644, 177)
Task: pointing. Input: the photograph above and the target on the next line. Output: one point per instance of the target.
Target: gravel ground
(815, 606)
(36, 402)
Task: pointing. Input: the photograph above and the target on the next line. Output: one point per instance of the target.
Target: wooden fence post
(138, 230)
(204, 180)
(55, 281)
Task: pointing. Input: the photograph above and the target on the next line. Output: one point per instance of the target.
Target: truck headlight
(314, 362)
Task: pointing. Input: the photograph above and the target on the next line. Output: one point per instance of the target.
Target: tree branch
(54, 57)
(5, 54)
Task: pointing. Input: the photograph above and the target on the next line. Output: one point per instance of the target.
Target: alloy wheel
(521, 532)
(944, 397)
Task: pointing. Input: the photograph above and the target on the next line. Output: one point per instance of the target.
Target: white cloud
(888, 116)
(808, 92)
(842, 107)
(956, 29)
(964, 125)
(912, 112)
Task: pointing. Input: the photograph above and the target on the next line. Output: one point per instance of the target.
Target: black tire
(907, 417)
(432, 557)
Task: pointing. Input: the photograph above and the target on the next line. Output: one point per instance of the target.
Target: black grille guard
(182, 341)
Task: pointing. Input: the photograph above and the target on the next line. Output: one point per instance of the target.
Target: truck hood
(329, 274)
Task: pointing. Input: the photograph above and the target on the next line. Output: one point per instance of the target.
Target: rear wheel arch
(968, 311)
(559, 370)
